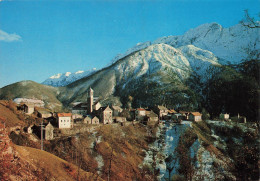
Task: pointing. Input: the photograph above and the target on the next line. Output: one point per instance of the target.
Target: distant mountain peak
(63, 79)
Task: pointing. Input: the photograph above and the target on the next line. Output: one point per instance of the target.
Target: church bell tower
(90, 100)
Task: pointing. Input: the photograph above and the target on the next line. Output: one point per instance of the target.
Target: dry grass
(10, 118)
(54, 166)
(126, 145)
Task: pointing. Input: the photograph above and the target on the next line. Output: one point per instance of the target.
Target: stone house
(116, 110)
(87, 120)
(140, 113)
(28, 108)
(224, 116)
(105, 115)
(49, 131)
(77, 116)
(80, 109)
(91, 120)
(161, 111)
(95, 120)
(195, 116)
(96, 106)
(185, 114)
(44, 114)
(64, 120)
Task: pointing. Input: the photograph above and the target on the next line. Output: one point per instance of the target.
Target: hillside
(30, 89)
(7, 113)
(52, 167)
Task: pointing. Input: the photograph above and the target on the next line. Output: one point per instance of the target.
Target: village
(91, 112)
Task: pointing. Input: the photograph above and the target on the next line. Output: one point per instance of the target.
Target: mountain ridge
(229, 45)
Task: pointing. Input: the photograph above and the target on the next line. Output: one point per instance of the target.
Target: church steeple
(90, 100)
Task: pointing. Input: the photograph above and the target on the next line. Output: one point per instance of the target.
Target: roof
(140, 109)
(105, 108)
(64, 114)
(162, 108)
(29, 104)
(44, 112)
(172, 111)
(116, 108)
(80, 106)
(196, 113)
(95, 103)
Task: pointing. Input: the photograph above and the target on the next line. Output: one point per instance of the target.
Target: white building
(64, 120)
(35, 102)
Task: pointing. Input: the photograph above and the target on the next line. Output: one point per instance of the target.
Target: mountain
(229, 45)
(171, 70)
(64, 79)
(157, 64)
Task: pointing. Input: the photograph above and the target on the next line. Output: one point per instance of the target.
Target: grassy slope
(53, 166)
(9, 117)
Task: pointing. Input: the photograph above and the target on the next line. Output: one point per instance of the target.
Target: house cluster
(92, 112)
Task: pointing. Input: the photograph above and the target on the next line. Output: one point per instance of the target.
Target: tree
(249, 21)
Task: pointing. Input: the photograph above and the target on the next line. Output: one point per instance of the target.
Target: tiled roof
(196, 113)
(140, 109)
(64, 114)
(172, 111)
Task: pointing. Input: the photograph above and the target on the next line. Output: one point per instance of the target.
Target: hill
(30, 89)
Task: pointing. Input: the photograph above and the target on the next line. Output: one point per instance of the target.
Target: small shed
(195, 116)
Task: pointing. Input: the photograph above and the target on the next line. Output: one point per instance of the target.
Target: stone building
(48, 130)
(91, 120)
(44, 114)
(161, 111)
(116, 110)
(140, 113)
(105, 115)
(28, 108)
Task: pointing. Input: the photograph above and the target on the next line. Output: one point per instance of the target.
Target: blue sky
(41, 38)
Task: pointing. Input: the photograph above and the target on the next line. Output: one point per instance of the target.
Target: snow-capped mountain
(207, 44)
(158, 63)
(230, 45)
(64, 79)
